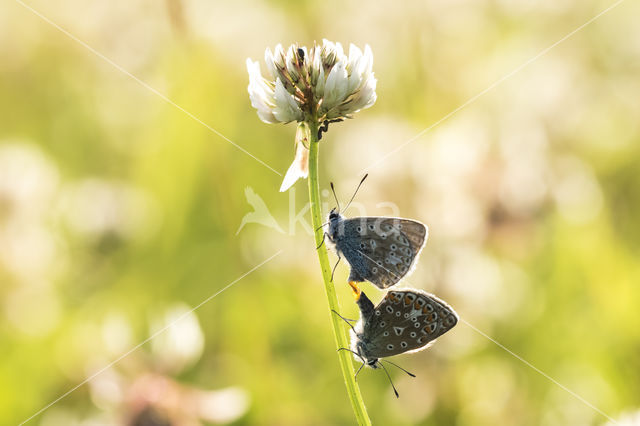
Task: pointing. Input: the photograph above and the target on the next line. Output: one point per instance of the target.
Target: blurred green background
(119, 212)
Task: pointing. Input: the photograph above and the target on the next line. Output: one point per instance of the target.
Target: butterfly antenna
(396, 365)
(356, 191)
(335, 196)
(390, 381)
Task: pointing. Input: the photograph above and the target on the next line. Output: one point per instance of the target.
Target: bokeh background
(119, 212)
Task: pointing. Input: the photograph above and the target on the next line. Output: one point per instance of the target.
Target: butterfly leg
(336, 265)
(347, 320)
(322, 242)
(355, 377)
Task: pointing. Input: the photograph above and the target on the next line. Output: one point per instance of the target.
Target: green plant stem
(339, 332)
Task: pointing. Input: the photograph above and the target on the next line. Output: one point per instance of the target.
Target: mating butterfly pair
(383, 250)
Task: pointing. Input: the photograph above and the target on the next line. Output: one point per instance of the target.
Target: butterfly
(405, 320)
(381, 250)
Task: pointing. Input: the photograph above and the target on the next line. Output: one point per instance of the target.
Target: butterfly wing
(381, 250)
(406, 320)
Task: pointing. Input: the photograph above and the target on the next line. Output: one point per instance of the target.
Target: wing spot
(416, 324)
(371, 227)
(390, 347)
(402, 239)
(383, 324)
(406, 315)
(379, 262)
(389, 309)
(385, 334)
(403, 344)
(383, 236)
(359, 228)
(395, 297)
(398, 313)
(409, 298)
(378, 313)
(362, 245)
(429, 329)
(428, 308)
(413, 334)
(374, 270)
(393, 247)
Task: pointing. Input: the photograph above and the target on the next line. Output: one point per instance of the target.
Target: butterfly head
(334, 214)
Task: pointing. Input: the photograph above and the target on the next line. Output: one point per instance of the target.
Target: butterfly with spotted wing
(379, 249)
(405, 320)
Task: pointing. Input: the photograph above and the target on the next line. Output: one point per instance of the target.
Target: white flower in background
(320, 85)
(181, 342)
(631, 418)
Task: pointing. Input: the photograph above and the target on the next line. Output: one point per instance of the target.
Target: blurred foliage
(117, 209)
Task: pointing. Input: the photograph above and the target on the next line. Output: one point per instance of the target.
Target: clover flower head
(319, 85)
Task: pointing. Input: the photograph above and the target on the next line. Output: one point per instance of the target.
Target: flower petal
(260, 94)
(271, 67)
(286, 108)
(335, 89)
(298, 169)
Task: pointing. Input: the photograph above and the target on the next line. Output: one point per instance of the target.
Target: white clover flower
(321, 85)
